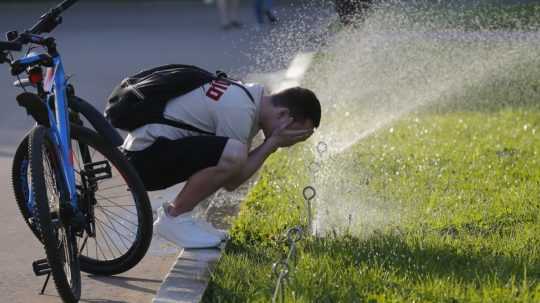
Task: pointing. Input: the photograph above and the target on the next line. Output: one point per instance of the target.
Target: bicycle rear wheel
(119, 207)
(53, 214)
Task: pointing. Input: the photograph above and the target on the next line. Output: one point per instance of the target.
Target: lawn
(445, 203)
(494, 16)
(469, 182)
(439, 205)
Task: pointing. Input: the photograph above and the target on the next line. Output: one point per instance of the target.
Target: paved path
(101, 43)
(19, 248)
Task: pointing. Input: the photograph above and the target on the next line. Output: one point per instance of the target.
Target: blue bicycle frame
(59, 130)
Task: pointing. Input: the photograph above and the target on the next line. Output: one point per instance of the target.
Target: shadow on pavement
(126, 282)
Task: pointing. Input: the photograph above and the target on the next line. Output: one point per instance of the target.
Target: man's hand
(284, 137)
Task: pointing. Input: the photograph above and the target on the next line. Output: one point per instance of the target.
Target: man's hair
(301, 103)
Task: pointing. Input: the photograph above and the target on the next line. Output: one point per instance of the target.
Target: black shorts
(169, 162)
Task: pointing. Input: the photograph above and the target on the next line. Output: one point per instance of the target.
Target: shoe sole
(159, 235)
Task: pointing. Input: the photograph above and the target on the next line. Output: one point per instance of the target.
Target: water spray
(282, 268)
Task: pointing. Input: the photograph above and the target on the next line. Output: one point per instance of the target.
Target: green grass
(471, 181)
(482, 17)
(463, 174)
(487, 15)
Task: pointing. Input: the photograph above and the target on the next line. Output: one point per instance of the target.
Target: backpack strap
(245, 90)
(182, 125)
(218, 76)
(147, 72)
(223, 76)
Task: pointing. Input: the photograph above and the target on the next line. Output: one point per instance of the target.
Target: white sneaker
(223, 235)
(184, 231)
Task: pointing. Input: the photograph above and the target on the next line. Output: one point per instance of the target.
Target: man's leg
(259, 11)
(268, 10)
(207, 181)
(223, 12)
(235, 5)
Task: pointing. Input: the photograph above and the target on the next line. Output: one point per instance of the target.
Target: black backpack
(141, 99)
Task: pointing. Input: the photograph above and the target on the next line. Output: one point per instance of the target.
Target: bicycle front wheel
(53, 213)
(20, 175)
(121, 211)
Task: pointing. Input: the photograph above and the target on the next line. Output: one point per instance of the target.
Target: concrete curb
(189, 276)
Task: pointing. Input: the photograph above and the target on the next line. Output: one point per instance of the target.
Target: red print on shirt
(217, 89)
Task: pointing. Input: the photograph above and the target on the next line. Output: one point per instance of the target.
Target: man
(228, 12)
(264, 8)
(164, 155)
(350, 10)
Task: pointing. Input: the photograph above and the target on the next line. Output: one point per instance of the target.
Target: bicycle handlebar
(47, 23)
(51, 19)
(66, 4)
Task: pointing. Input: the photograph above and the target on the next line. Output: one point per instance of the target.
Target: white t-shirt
(217, 107)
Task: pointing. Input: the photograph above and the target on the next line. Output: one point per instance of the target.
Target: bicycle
(63, 173)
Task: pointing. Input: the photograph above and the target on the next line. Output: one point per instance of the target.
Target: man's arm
(280, 138)
(255, 160)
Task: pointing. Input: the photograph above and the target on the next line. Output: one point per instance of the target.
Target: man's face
(280, 116)
(301, 125)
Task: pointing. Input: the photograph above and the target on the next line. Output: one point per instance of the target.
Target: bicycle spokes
(112, 213)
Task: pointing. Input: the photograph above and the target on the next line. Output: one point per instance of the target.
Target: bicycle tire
(144, 234)
(57, 234)
(19, 177)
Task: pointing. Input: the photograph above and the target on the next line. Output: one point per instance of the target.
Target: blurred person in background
(228, 12)
(350, 11)
(263, 8)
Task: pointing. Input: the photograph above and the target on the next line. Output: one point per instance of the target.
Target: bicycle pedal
(41, 267)
(97, 171)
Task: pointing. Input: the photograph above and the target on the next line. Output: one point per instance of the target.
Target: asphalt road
(100, 44)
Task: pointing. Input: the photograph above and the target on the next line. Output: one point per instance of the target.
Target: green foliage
(486, 16)
(462, 168)
(464, 175)
(471, 182)
(273, 205)
(524, 16)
